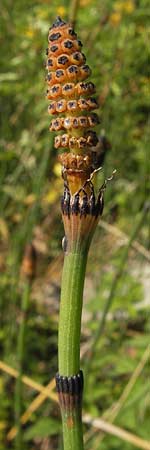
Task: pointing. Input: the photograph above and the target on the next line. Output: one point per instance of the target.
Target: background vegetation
(116, 327)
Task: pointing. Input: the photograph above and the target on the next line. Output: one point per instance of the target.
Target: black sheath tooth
(76, 385)
(67, 208)
(100, 203)
(88, 206)
(65, 202)
(65, 385)
(75, 209)
(70, 385)
(92, 204)
(85, 207)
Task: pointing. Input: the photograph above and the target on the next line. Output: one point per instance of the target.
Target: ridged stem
(69, 340)
(72, 431)
(70, 312)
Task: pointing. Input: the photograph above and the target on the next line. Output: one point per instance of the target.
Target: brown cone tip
(58, 23)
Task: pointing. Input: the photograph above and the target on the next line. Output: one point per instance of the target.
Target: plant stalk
(69, 343)
(70, 312)
(72, 431)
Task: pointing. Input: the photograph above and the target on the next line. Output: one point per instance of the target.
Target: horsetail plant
(72, 104)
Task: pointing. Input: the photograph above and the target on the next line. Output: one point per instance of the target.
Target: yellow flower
(115, 18)
(29, 33)
(53, 194)
(127, 6)
(61, 11)
(57, 169)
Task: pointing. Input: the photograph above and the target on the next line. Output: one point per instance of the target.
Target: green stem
(72, 435)
(70, 312)
(69, 340)
(20, 356)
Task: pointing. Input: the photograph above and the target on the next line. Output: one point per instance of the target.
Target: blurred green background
(116, 38)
